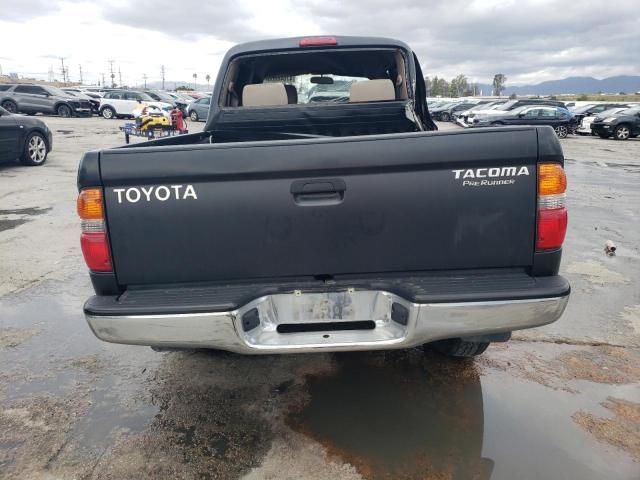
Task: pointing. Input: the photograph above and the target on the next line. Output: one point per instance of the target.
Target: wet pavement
(561, 401)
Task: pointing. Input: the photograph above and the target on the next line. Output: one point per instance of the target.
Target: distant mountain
(576, 85)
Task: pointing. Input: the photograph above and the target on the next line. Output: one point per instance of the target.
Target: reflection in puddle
(402, 418)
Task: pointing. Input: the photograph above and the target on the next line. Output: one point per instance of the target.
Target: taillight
(93, 239)
(318, 41)
(552, 210)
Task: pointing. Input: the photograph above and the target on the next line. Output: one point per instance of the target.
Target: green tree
(443, 87)
(433, 88)
(513, 96)
(499, 81)
(462, 84)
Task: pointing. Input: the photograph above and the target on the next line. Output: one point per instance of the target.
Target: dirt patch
(599, 364)
(89, 363)
(34, 432)
(12, 337)
(621, 431)
(597, 273)
(612, 365)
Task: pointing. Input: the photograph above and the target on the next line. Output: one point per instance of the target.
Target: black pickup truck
(348, 223)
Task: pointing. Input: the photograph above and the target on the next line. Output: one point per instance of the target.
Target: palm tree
(195, 78)
(208, 77)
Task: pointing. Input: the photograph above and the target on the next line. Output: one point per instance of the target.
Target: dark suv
(622, 125)
(589, 110)
(32, 99)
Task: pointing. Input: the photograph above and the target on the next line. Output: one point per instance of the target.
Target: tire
(35, 150)
(10, 106)
(63, 111)
(445, 117)
(458, 348)
(108, 113)
(193, 115)
(622, 132)
(561, 131)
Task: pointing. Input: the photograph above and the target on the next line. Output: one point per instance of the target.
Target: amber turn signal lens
(90, 204)
(551, 179)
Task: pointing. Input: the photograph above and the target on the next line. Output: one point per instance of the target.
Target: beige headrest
(372, 91)
(264, 94)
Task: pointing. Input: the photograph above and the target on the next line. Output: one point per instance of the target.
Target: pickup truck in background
(291, 225)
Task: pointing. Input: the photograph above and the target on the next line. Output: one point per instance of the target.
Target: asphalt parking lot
(562, 401)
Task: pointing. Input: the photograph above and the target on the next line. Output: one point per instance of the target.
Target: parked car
(448, 114)
(622, 125)
(511, 105)
(288, 227)
(461, 117)
(122, 103)
(199, 109)
(593, 109)
(557, 117)
(92, 98)
(166, 97)
(25, 138)
(584, 126)
(32, 99)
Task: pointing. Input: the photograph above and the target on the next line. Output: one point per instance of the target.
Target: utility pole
(64, 72)
(162, 72)
(103, 84)
(144, 77)
(80, 67)
(119, 76)
(113, 75)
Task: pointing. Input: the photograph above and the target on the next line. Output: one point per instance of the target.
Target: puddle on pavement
(403, 417)
(22, 213)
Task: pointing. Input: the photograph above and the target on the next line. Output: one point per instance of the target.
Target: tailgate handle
(325, 191)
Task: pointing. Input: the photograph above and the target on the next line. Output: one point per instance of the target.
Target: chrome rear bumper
(397, 323)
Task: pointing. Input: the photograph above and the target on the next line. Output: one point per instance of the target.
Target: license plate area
(320, 320)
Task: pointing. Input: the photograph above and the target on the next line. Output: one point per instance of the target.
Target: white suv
(122, 103)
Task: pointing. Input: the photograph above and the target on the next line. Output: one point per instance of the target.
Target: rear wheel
(63, 111)
(35, 150)
(457, 347)
(108, 113)
(10, 106)
(561, 131)
(445, 117)
(622, 132)
(193, 116)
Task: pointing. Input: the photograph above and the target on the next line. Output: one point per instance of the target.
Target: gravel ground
(562, 401)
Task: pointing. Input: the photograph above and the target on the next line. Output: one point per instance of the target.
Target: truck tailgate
(322, 207)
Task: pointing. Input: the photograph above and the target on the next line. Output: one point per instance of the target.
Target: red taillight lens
(93, 239)
(552, 212)
(552, 227)
(318, 41)
(95, 249)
